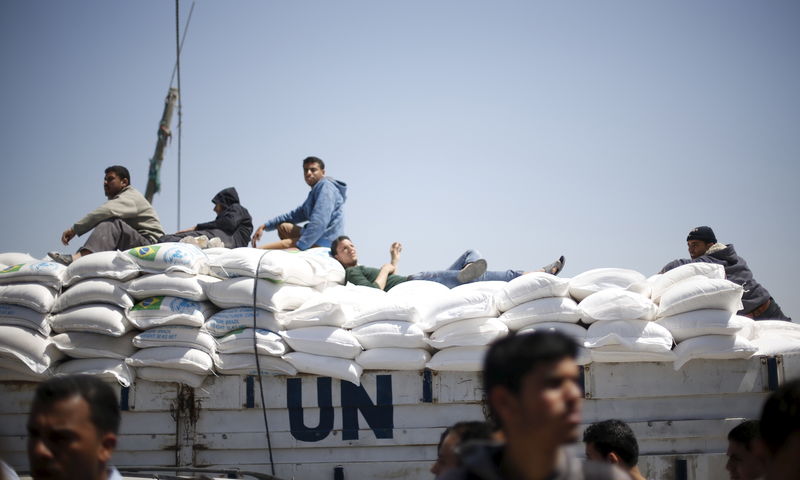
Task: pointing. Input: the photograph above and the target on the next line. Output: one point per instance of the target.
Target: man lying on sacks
(703, 247)
(323, 210)
(233, 225)
(469, 267)
(126, 220)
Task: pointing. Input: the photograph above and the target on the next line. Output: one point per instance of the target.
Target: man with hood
(323, 210)
(126, 220)
(233, 224)
(703, 247)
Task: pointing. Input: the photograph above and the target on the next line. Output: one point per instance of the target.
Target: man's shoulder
(582, 469)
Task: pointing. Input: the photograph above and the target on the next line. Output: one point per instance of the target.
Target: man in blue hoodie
(323, 210)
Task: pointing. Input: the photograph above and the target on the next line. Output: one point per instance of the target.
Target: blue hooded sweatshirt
(324, 212)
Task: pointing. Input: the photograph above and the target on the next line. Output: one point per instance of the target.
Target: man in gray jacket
(126, 220)
(703, 247)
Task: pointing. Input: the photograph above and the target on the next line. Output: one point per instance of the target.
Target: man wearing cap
(703, 247)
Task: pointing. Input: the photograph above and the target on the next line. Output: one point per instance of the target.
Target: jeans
(449, 277)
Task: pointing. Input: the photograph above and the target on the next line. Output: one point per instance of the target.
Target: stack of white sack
(89, 318)
(540, 302)
(698, 306)
(775, 337)
(615, 304)
(239, 334)
(171, 308)
(439, 312)
(28, 289)
(284, 282)
(383, 325)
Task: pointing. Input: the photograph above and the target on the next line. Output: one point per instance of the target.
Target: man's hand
(394, 252)
(257, 234)
(67, 235)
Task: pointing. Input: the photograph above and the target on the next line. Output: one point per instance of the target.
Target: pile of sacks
(174, 313)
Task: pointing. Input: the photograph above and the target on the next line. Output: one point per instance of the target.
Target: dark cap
(702, 233)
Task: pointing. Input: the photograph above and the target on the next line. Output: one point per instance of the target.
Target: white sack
(170, 375)
(238, 292)
(575, 331)
(706, 322)
(776, 327)
(361, 304)
(174, 284)
(31, 295)
(390, 333)
(531, 286)
(28, 347)
(237, 318)
(633, 335)
(309, 268)
(776, 337)
(616, 304)
(621, 355)
(323, 366)
(94, 290)
(104, 368)
(191, 360)
(15, 258)
(466, 333)
(95, 345)
(393, 359)
(592, 281)
(158, 311)
(20, 375)
(492, 287)
(24, 317)
(241, 341)
(245, 364)
(458, 359)
(94, 318)
(114, 264)
(549, 309)
(317, 311)
(170, 257)
(176, 336)
(698, 293)
(51, 274)
(713, 347)
(666, 280)
(325, 341)
(437, 305)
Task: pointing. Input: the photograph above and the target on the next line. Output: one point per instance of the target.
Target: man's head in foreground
(72, 428)
(531, 384)
(779, 431)
(452, 438)
(743, 463)
(613, 441)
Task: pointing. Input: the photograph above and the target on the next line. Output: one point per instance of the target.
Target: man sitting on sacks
(126, 220)
(323, 210)
(703, 247)
(232, 226)
(469, 267)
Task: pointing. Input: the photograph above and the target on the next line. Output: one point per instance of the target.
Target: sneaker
(62, 258)
(190, 241)
(471, 271)
(216, 242)
(202, 241)
(555, 267)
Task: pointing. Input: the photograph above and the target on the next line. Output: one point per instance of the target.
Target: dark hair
(511, 358)
(472, 430)
(103, 407)
(614, 436)
(744, 433)
(319, 161)
(780, 417)
(335, 243)
(120, 171)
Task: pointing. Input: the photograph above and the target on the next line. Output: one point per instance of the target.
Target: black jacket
(235, 221)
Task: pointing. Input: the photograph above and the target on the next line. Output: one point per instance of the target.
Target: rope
(258, 363)
(180, 97)
(183, 39)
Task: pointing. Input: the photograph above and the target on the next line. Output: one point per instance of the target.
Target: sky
(601, 131)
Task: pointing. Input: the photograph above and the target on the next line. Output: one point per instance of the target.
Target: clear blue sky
(603, 131)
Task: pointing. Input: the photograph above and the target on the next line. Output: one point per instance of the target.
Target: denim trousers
(449, 277)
